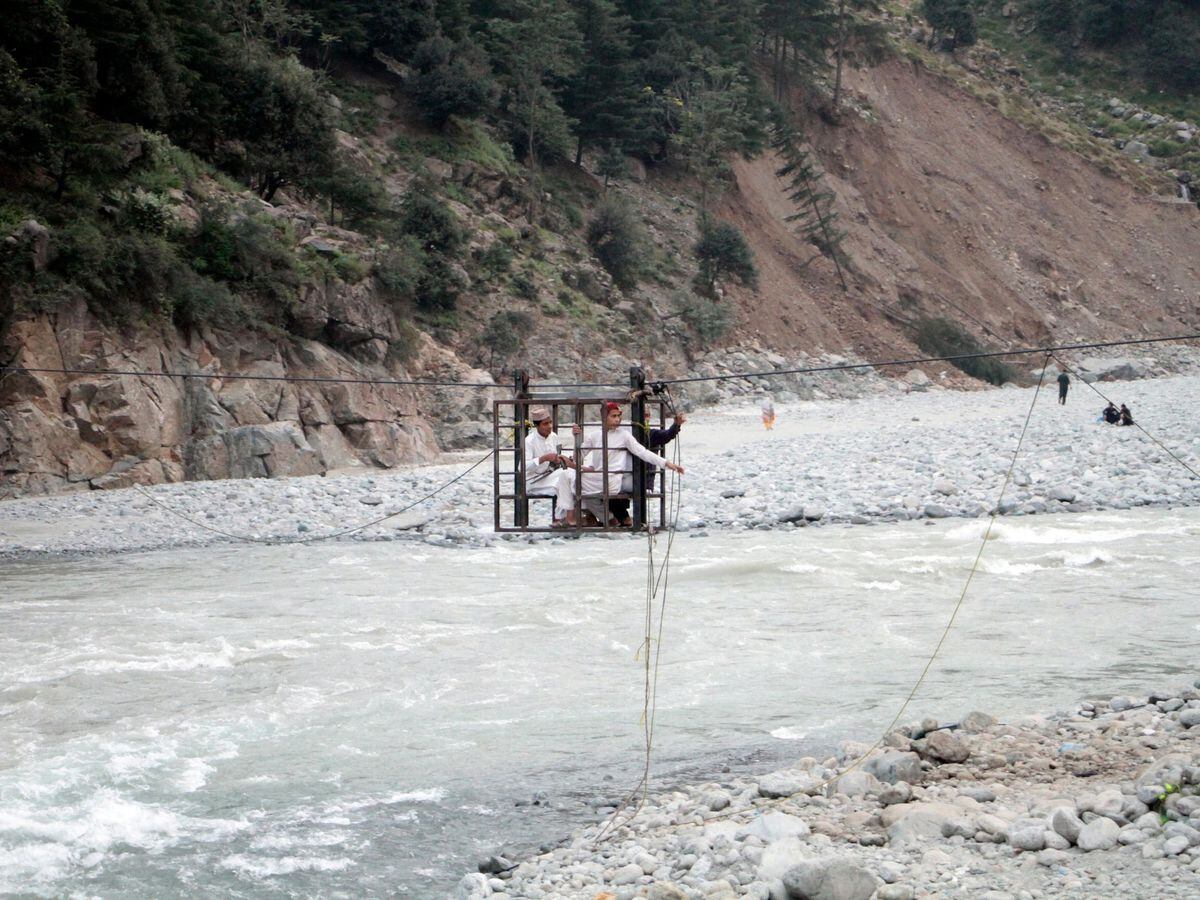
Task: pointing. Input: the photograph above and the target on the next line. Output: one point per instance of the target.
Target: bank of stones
(1102, 800)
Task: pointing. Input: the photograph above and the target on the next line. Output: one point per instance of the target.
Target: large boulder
(892, 766)
(829, 879)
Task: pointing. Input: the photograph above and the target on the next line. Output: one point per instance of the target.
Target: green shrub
(709, 318)
(722, 250)
(524, 286)
(431, 222)
(496, 259)
(142, 210)
(505, 334)
(451, 80)
(616, 236)
(349, 268)
(937, 336)
(400, 268)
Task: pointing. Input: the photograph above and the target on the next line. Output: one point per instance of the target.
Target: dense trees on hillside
(1159, 37)
(239, 83)
(106, 105)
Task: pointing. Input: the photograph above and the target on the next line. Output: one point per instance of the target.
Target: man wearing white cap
(547, 471)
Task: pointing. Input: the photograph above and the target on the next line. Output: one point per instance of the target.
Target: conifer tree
(815, 218)
(602, 94)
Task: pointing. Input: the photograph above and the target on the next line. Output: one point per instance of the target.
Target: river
(364, 719)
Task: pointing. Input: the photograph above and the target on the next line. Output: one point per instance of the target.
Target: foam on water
(271, 867)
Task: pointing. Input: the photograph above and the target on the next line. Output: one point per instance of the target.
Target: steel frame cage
(511, 416)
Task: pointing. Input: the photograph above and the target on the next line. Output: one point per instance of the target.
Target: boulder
(945, 746)
(1099, 834)
(892, 766)
(1066, 823)
(831, 879)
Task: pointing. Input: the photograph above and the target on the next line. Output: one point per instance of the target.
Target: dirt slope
(950, 205)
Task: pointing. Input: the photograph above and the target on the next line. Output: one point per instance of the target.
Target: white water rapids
(362, 719)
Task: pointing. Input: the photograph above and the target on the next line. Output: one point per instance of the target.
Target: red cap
(610, 406)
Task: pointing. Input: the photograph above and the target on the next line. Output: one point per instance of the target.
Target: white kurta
(542, 479)
(620, 443)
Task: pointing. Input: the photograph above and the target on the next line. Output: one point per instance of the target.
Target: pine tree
(815, 217)
(538, 46)
(602, 95)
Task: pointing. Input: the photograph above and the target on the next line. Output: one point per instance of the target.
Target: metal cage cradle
(510, 426)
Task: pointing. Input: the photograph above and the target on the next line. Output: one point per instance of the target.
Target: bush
(524, 286)
(943, 337)
(617, 238)
(505, 334)
(722, 250)
(399, 269)
(496, 259)
(431, 222)
(439, 285)
(452, 80)
(709, 318)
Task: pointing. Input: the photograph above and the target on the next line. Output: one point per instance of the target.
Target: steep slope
(953, 209)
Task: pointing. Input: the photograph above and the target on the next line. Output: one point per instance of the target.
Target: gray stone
(715, 800)
(895, 892)
(1099, 834)
(1120, 704)
(937, 511)
(1027, 836)
(795, 514)
(1061, 494)
(627, 874)
(828, 880)
(1189, 718)
(976, 722)
(786, 783)
(775, 826)
(945, 746)
(856, 783)
(1175, 845)
(892, 766)
(1066, 823)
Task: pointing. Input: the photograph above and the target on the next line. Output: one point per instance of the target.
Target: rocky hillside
(960, 198)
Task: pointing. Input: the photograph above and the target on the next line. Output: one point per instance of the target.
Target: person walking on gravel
(1064, 385)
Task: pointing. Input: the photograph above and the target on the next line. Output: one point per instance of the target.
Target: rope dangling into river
(657, 578)
(255, 539)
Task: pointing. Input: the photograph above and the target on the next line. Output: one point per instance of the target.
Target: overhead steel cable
(484, 385)
(880, 364)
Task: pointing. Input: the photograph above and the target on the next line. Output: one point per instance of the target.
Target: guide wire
(483, 385)
(255, 539)
(862, 757)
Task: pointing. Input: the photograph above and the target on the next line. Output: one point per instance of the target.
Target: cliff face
(951, 209)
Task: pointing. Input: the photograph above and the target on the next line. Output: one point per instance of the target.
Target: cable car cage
(511, 425)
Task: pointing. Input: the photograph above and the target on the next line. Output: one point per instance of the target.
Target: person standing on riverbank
(1064, 385)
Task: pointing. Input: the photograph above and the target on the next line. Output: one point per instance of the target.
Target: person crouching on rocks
(1111, 414)
(547, 471)
(1126, 415)
(619, 443)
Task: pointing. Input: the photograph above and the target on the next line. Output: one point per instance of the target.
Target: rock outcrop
(234, 415)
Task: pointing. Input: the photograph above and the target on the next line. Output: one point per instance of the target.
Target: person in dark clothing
(1112, 415)
(1064, 385)
(1126, 415)
(655, 439)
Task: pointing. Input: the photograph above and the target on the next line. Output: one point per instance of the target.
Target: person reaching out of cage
(656, 439)
(611, 447)
(547, 471)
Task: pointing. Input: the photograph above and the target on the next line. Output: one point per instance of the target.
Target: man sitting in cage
(547, 472)
(619, 442)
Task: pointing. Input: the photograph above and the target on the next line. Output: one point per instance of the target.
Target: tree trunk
(841, 51)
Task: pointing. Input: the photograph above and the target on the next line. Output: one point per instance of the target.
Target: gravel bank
(880, 458)
(1101, 801)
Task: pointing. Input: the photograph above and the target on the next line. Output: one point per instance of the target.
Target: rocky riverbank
(1102, 800)
(883, 457)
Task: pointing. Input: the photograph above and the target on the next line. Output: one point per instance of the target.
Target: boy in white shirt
(547, 472)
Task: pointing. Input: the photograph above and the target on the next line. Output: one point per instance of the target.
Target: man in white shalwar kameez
(619, 443)
(547, 472)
